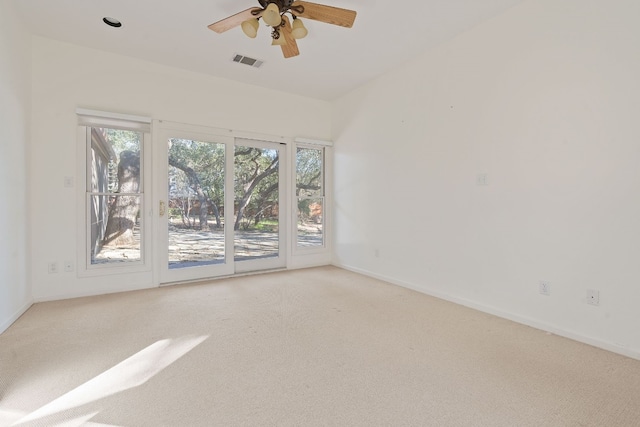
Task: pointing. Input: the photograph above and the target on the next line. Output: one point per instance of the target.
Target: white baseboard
(5, 324)
(612, 347)
(91, 293)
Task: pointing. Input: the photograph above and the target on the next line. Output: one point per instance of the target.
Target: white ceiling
(333, 60)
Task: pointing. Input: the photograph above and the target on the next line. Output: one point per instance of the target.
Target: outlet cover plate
(544, 288)
(53, 267)
(68, 266)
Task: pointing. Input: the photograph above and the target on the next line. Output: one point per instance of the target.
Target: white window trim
(94, 118)
(309, 141)
(86, 120)
(325, 248)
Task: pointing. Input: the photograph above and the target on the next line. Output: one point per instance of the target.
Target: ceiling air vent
(255, 63)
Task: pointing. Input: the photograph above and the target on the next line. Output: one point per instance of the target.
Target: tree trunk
(124, 209)
(263, 198)
(205, 201)
(248, 191)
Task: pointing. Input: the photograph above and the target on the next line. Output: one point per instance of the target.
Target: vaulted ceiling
(333, 60)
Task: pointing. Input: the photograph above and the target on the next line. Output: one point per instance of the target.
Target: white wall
(545, 100)
(66, 77)
(15, 85)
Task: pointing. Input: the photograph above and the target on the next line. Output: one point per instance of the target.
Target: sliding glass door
(220, 206)
(258, 206)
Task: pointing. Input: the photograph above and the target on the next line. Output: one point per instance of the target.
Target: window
(114, 182)
(310, 193)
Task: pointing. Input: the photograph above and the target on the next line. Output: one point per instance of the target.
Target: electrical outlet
(593, 297)
(68, 266)
(544, 288)
(53, 267)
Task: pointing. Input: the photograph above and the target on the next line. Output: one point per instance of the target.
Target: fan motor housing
(283, 5)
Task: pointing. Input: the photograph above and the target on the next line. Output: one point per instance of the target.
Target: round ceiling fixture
(112, 22)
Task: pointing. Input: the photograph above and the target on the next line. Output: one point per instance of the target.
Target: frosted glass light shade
(250, 27)
(298, 29)
(272, 15)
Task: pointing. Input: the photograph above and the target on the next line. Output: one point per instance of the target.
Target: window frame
(325, 147)
(88, 119)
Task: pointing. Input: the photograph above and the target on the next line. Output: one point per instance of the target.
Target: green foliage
(267, 225)
(198, 168)
(120, 141)
(123, 140)
(206, 159)
(254, 187)
(303, 206)
(251, 168)
(175, 212)
(309, 179)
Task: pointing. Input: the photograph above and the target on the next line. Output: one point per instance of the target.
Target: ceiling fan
(283, 32)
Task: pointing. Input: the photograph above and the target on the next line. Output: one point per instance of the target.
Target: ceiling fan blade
(234, 20)
(328, 14)
(289, 49)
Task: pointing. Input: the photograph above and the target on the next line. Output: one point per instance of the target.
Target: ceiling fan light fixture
(298, 29)
(271, 15)
(279, 40)
(284, 32)
(250, 27)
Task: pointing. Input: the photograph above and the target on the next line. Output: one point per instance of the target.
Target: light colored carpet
(316, 347)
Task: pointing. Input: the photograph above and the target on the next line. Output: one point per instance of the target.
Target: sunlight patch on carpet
(130, 373)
